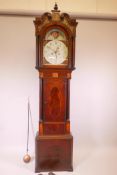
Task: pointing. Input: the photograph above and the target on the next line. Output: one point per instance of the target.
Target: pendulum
(27, 157)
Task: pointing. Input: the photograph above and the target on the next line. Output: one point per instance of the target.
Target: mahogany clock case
(55, 61)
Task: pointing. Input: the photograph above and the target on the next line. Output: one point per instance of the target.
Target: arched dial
(55, 52)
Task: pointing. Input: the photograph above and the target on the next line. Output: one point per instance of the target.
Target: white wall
(93, 84)
(18, 79)
(85, 6)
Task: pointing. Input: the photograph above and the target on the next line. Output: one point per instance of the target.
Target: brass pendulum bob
(27, 157)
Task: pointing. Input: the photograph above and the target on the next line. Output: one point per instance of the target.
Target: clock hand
(56, 51)
(51, 48)
(56, 54)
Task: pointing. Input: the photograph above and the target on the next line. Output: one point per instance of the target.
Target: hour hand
(51, 48)
(55, 51)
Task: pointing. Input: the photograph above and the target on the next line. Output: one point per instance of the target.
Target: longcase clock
(55, 61)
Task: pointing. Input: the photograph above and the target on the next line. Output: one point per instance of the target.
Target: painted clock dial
(55, 50)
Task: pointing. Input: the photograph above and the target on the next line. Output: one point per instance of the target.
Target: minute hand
(57, 49)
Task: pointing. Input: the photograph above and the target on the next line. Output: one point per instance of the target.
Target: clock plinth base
(53, 153)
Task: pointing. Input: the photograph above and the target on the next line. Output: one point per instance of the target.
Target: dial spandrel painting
(55, 50)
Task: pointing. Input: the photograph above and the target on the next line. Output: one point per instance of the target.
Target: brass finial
(56, 7)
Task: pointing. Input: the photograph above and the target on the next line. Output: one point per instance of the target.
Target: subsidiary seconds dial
(55, 52)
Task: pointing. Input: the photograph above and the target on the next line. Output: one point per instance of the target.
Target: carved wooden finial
(56, 7)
